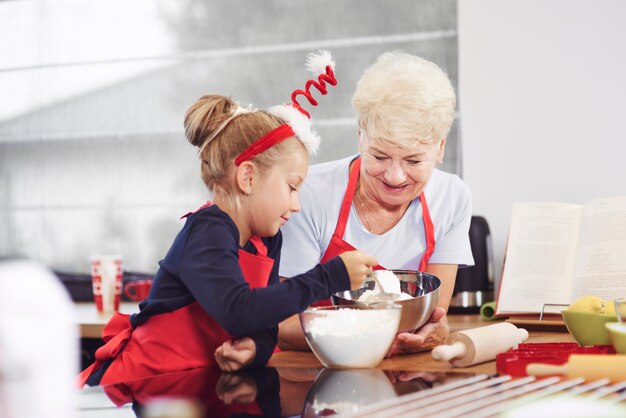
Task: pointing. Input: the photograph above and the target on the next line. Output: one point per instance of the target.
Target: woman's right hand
(359, 265)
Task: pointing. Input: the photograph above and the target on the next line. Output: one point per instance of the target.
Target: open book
(557, 252)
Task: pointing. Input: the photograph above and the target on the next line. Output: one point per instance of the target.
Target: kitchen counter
(91, 322)
(422, 361)
(295, 383)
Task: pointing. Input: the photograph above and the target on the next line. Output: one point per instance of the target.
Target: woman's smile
(393, 188)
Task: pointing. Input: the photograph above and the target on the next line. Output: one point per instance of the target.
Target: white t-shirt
(307, 234)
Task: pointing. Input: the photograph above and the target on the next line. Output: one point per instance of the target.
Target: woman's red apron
(183, 339)
(338, 246)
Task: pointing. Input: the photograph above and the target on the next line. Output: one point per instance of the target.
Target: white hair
(403, 98)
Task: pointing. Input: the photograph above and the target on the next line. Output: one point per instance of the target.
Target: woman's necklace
(383, 226)
(367, 220)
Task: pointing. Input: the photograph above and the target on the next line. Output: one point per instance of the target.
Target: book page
(540, 256)
(601, 259)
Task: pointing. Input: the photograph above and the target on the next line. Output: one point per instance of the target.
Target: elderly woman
(390, 200)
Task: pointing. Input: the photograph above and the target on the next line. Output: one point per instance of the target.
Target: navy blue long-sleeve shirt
(203, 265)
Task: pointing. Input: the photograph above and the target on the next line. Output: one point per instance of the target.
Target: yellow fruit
(588, 304)
(610, 307)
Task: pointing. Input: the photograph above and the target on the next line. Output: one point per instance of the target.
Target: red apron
(338, 246)
(183, 339)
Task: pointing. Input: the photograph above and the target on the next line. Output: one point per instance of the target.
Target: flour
(352, 337)
(390, 284)
(388, 280)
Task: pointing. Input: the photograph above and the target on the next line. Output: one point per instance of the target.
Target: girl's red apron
(337, 245)
(183, 339)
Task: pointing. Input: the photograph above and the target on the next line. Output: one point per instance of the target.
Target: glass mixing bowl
(351, 336)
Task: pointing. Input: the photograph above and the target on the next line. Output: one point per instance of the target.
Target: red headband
(268, 140)
(297, 119)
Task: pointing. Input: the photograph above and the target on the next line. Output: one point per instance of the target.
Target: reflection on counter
(265, 392)
(291, 392)
(344, 391)
(207, 392)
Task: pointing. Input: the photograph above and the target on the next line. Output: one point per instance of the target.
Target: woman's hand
(234, 355)
(427, 377)
(298, 375)
(431, 334)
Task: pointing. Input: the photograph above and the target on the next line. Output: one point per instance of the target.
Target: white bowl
(344, 337)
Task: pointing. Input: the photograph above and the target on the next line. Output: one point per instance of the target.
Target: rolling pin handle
(541, 369)
(449, 351)
(523, 334)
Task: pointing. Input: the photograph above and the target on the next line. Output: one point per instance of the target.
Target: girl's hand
(359, 265)
(236, 388)
(234, 355)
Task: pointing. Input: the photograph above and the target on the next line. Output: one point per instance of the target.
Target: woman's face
(394, 175)
(276, 197)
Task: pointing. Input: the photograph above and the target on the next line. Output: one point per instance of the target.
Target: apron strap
(115, 335)
(206, 205)
(346, 204)
(429, 229)
(347, 199)
(258, 243)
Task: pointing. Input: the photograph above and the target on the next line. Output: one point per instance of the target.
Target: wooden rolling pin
(477, 345)
(589, 366)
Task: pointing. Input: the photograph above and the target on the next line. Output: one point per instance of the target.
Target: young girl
(216, 298)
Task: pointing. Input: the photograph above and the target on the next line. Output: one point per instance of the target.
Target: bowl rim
(408, 271)
(360, 307)
(416, 272)
(439, 283)
(602, 315)
(619, 327)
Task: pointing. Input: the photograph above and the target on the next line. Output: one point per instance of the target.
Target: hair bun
(205, 118)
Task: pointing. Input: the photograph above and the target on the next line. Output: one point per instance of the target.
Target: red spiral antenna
(319, 84)
(297, 121)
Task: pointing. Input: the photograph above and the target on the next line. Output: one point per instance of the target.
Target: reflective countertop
(264, 392)
(308, 393)
(412, 385)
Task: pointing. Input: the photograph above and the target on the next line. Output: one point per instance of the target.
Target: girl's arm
(210, 269)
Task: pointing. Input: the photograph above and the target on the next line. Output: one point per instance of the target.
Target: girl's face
(276, 197)
(394, 175)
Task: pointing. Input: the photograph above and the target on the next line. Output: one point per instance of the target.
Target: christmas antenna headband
(297, 120)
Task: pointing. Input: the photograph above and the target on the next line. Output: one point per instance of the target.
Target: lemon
(610, 307)
(588, 304)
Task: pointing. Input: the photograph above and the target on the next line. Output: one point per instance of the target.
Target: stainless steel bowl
(424, 288)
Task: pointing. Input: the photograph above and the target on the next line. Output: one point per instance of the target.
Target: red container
(514, 361)
(137, 290)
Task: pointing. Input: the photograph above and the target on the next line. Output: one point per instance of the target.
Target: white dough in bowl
(390, 284)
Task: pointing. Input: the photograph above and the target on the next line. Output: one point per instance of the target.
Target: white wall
(542, 91)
